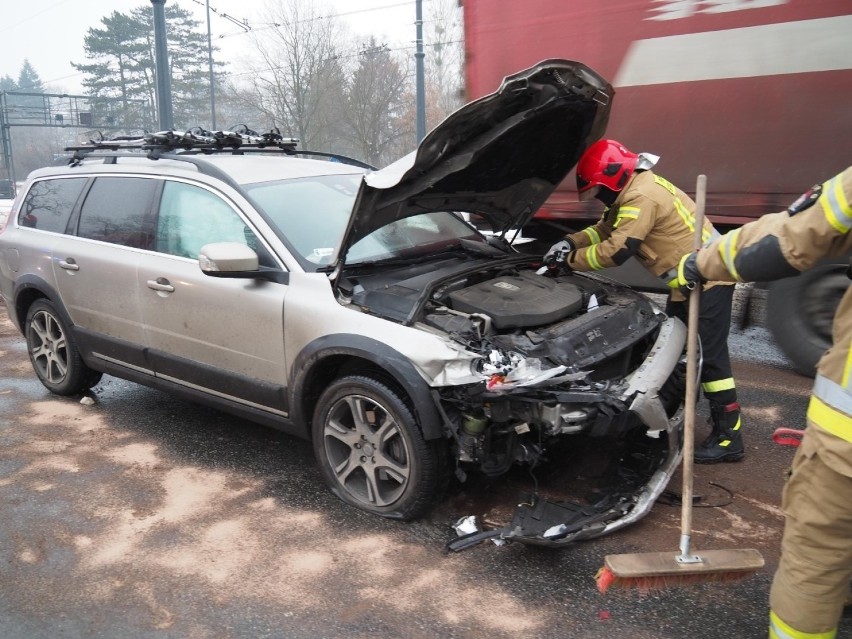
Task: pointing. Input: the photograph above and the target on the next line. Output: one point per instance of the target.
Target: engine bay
(510, 314)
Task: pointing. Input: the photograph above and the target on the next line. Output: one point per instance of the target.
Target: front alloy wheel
(371, 451)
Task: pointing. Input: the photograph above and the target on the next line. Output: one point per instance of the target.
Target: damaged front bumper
(541, 522)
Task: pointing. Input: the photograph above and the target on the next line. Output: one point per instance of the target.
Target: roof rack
(197, 141)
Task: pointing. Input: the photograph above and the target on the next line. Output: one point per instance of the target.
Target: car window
(191, 217)
(49, 204)
(310, 213)
(118, 210)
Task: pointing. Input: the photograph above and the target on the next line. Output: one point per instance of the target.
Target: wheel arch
(334, 356)
(30, 288)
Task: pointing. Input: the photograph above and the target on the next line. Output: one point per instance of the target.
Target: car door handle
(69, 264)
(161, 284)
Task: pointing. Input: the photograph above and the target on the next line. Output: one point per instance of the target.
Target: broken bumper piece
(540, 522)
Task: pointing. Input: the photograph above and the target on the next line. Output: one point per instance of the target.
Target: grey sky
(49, 33)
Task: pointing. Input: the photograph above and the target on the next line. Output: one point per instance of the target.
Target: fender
(29, 287)
(376, 352)
(34, 283)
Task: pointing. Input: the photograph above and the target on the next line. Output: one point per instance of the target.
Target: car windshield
(311, 214)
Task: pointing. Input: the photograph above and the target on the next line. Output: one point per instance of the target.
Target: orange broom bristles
(606, 579)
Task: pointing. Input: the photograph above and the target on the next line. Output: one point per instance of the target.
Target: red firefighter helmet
(606, 163)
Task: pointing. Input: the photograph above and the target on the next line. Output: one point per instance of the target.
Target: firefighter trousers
(812, 581)
(714, 325)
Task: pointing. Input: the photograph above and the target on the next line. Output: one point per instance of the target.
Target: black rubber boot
(725, 443)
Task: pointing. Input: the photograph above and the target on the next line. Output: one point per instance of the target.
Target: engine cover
(519, 301)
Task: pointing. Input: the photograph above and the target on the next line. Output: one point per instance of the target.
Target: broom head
(658, 570)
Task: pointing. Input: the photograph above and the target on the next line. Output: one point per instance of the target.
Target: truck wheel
(800, 313)
(54, 354)
(371, 452)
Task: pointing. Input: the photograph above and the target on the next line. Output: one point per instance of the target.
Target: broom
(649, 571)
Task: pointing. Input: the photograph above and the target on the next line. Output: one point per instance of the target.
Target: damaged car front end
(551, 367)
(554, 369)
(631, 421)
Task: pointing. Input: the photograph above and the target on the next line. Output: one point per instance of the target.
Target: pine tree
(7, 83)
(22, 105)
(28, 80)
(122, 65)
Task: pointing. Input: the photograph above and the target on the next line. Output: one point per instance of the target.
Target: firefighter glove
(558, 252)
(686, 276)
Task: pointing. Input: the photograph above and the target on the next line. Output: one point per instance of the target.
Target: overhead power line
(345, 56)
(266, 26)
(240, 23)
(15, 25)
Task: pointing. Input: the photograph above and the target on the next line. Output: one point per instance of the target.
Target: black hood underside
(500, 156)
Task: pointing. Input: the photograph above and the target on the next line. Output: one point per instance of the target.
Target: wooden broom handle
(692, 373)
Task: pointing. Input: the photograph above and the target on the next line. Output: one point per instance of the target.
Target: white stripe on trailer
(679, 9)
(824, 44)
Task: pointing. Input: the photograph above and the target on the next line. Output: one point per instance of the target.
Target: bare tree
(444, 59)
(376, 117)
(316, 84)
(236, 104)
(299, 78)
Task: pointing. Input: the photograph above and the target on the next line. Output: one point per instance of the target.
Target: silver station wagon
(362, 309)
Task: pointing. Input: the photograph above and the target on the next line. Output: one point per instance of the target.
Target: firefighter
(648, 217)
(812, 581)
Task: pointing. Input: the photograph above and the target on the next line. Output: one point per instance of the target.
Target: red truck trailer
(756, 94)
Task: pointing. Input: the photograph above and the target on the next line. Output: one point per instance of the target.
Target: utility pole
(421, 88)
(212, 82)
(164, 84)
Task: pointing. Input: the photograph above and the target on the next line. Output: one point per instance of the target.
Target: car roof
(243, 169)
(253, 169)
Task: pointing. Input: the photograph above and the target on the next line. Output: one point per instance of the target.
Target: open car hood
(500, 156)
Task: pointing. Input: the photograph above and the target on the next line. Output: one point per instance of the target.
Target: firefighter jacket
(651, 219)
(778, 245)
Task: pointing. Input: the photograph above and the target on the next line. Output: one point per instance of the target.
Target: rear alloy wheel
(371, 451)
(54, 354)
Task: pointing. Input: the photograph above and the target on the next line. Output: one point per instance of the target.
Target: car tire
(800, 313)
(54, 354)
(371, 451)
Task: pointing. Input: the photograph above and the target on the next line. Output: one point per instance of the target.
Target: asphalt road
(145, 516)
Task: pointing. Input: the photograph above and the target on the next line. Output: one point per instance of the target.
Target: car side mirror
(235, 260)
(227, 257)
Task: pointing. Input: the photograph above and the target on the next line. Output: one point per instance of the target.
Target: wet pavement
(142, 515)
